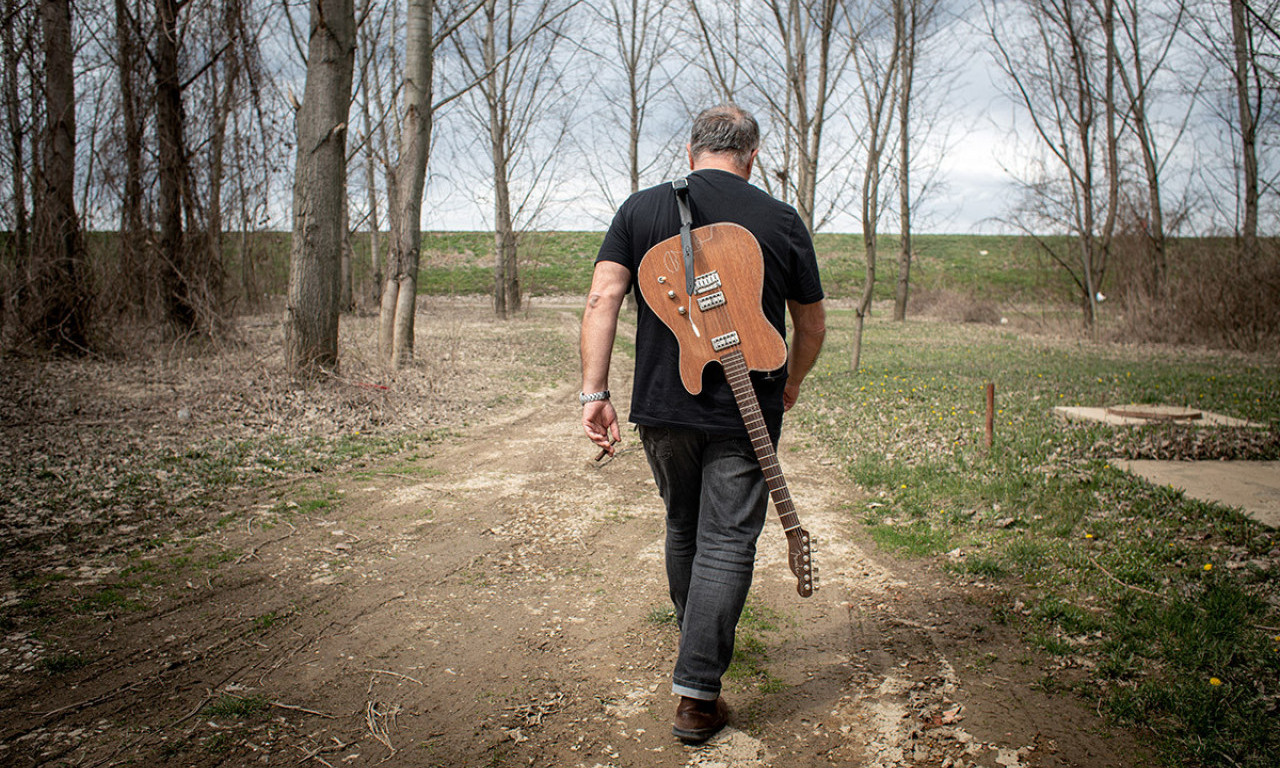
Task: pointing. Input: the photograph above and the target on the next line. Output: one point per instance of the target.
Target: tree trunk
(223, 108)
(1136, 89)
(311, 314)
(346, 301)
(1112, 137)
(415, 149)
(870, 214)
(134, 278)
(19, 244)
(176, 274)
(506, 280)
(371, 187)
(905, 20)
(1248, 128)
(58, 305)
(506, 283)
(406, 303)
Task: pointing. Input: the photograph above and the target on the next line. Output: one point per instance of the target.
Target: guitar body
(730, 251)
(723, 321)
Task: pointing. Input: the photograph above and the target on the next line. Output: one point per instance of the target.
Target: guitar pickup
(729, 339)
(711, 301)
(708, 282)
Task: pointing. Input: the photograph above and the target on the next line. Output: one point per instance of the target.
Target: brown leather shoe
(699, 719)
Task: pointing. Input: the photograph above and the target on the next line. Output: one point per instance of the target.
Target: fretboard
(735, 370)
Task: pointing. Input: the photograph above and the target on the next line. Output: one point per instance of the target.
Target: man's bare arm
(809, 324)
(609, 284)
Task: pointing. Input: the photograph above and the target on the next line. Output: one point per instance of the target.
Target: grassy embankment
(559, 263)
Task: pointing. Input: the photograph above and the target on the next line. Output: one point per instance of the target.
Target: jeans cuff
(694, 693)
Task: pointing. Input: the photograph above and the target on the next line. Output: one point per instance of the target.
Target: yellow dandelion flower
(1208, 566)
(1215, 681)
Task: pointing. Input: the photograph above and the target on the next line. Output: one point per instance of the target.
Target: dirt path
(499, 600)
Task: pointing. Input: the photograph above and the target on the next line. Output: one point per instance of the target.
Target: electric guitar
(721, 320)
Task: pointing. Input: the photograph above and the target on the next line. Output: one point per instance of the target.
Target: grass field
(997, 267)
(1162, 609)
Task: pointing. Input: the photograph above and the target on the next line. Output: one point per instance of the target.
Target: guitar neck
(739, 377)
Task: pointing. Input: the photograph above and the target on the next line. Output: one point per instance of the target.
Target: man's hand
(600, 422)
(790, 394)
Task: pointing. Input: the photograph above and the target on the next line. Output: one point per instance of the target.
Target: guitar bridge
(708, 282)
(729, 339)
(712, 301)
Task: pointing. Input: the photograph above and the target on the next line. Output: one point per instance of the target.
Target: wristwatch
(591, 397)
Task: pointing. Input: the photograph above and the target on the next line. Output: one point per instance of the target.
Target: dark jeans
(716, 502)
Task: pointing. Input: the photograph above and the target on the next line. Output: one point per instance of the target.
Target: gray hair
(725, 129)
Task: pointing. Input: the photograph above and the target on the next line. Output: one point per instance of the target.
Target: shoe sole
(696, 736)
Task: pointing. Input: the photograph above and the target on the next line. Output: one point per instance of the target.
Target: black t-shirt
(650, 216)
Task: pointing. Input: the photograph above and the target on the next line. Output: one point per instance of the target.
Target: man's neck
(717, 162)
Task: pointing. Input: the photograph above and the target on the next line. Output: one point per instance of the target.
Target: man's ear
(688, 150)
(751, 162)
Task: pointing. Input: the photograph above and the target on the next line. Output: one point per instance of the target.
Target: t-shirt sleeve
(617, 241)
(804, 284)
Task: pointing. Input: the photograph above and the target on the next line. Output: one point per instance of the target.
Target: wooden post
(991, 413)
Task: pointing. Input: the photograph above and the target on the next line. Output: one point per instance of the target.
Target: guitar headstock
(800, 554)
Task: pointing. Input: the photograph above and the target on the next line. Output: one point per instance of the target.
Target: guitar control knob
(671, 294)
(682, 310)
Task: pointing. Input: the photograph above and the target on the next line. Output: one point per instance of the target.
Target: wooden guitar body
(723, 321)
(732, 253)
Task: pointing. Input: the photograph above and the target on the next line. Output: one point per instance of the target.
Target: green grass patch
(238, 707)
(1099, 564)
(62, 663)
(664, 616)
(917, 539)
(109, 600)
(750, 664)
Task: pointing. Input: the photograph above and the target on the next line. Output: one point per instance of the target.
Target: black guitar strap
(681, 186)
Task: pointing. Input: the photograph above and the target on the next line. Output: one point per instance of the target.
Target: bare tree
(634, 56)
(789, 55)
(1051, 57)
(399, 295)
(876, 61)
(183, 294)
(1239, 44)
(511, 52)
(1248, 92)
(135, 276)
(373, 143)
(58, 303)
(311, 314)
(14, 44)
(1138, 68)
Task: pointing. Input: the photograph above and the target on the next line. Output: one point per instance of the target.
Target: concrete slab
(1115, 416)
(1254, 486)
